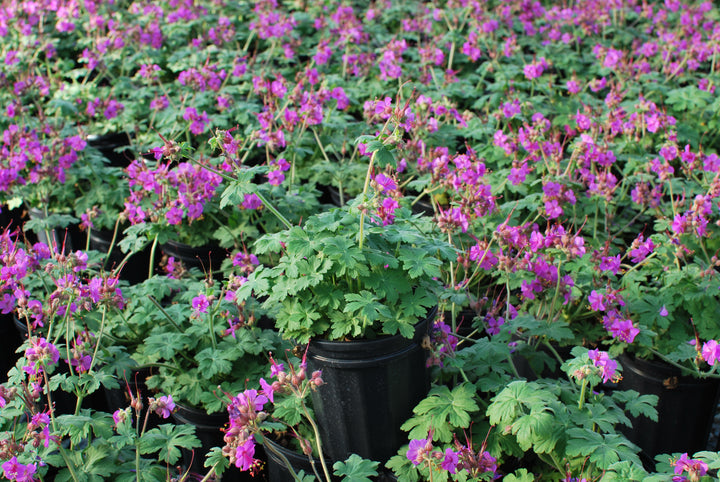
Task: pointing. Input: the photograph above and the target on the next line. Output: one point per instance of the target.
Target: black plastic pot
(135, 270)
(70, 237)
(371, 388)
(11, 218)
(686, 406)
(208, 430)
(278, 471)
(204, 258)
(114, 147)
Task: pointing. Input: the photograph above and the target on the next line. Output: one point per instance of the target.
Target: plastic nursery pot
(135, 270)
(71, 237)
(204, 258)
(111, 147)
(278, 471)
(208, 428)
(686, 406)
(371, 388)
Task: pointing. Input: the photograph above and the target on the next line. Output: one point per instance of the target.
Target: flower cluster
(247, 410)
(463, 458)
(169, 193)
(695, 469)
(442, 343)
(606, 365)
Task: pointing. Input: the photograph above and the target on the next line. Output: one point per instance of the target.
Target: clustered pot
(686, 407)
(371, 387)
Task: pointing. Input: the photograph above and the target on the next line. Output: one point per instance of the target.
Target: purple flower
(663, 311)
(15, 471)
(276, 177)
(164, 406)
(42, 352)
(610, 263)
(174, 215)
(200, 304)
(596, 301)
(385, 183)
(418, 449)
(711, 352)
(276, 368)
(572, 86)
(244, 455)
(82, 364)
(641, 248)
(450, 461)
(607, 366)
(251, 201)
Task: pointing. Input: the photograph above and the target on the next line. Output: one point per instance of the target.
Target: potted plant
(287, 431)
(493, 424)
(358, 284)
(200, 344)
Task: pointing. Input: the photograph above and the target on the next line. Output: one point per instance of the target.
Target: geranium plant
(206, 342)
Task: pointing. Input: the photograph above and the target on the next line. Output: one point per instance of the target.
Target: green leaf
(167, 440)
(366, 306)
(215, 458)
(356, 469)
(417, 263)
(638, 404)
(443, 411)
(520, 475)
(212, 362)
(384, 157)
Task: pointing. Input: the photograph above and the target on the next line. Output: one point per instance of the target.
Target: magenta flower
(596, 301)
(535, 69)
(119, 416)
(624, 330)
(267, 390)
(450, 461)
(711, 352)
(385, 183)
(607, 366)
(694, 467)
(419, 449)
(244, 455)
(200, 304)
(164, 406)
(15, 471)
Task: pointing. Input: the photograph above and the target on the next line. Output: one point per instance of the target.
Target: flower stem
(165, 313)
(112, 242)
(583, 388)
(361, 237)
(284, 461)
(317, 442)
(152, 256)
